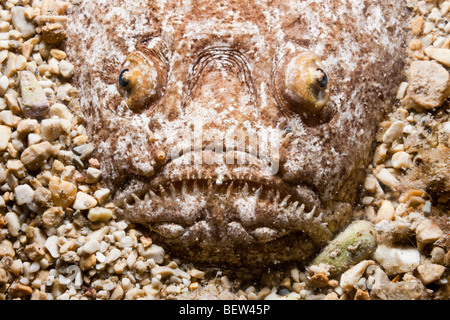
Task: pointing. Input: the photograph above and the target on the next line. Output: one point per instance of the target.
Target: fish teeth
(229, 190)
(258, 193)
(136, 198)
(310, 215)
(285, 200)
(245, 189)
(173, 191)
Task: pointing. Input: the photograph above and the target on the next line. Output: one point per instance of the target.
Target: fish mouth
(229, 204)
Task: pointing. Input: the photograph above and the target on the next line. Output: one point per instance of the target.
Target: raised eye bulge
(141, 80)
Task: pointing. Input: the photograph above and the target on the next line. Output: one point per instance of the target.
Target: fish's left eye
(303, 84)
(141, 80)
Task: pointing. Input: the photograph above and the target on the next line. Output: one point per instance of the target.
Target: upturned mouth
(234, 204)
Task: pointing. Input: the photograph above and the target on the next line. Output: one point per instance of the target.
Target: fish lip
(139, 185)
(133, 196)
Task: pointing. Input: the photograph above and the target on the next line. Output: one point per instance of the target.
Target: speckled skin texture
(220, 66)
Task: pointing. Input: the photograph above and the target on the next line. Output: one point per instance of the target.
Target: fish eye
(123, 82)
(323, 80)
(141, 80)
(303, 83)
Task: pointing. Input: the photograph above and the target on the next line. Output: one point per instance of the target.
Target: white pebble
(401, 160)
(24, 194)
(84, 201)
(394, 132)
(52, 246)
(91, 246)
(385, 177)
(13, 223)
(126, 242)
(395, 260)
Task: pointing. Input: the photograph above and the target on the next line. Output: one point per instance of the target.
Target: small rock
(20, 290)
(52, 217)
(91, 246)
(430, 272)
(154, 252)
(52, 246)
(5, 135)
(401, 160)
(84, 201)
(396, 260)
(428, 231)
(441, 55)
(350, 278)
(34, 101)
(66, 69)
(386, 211)
(385, 177)
(61, 111)
(34, 252)
(350, 247)
(24, 194)
(53, 33)
(6, 249)
(93, 175)
(394, 132)
(34, 156)
(27, 126)
(51, 129)
(27, 29)
(99, 214)
(102, 194)
(429, 84)
(87, 262)
(63, 192)
(13, 222)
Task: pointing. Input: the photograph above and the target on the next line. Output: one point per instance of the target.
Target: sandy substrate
(59, 236)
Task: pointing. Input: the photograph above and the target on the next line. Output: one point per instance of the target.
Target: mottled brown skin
(223, 64)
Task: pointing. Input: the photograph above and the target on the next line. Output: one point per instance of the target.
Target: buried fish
(237, 132)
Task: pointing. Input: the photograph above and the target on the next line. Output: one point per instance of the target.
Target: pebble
(53, 33)
(386, 211)
(100, 214)
(5, 135)
(13, 223)
(19, 21)
(24, 194)
(6, 249)
(428, 231)
(350, 247)
(429, 83)
(91, 246)
(52, 246)
(396, 260)
(66, 69)
(394, 132)
(430, 272)
(384, 176)
(34, 156)
(63, 193)
(441, 55)
(401, 160)
(34, 101)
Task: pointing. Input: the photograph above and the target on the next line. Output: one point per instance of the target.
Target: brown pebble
(53, 33)
(34, 252)
(87, 262)
(362, 295)
(416, 25)
(20, 290)
(319, 280)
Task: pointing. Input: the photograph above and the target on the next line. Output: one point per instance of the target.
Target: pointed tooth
(301, 210)
(245, 189)
(293, 206)
(285, 200)
(183, 188)
(310, 214)
(277, 198)
(152, 194)
(270, 195)
(163, 191)
(258, 193)
(136, 198)
(147, 197)
(319, 217)
(173, 191)
(229, 190)
(195, 186)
